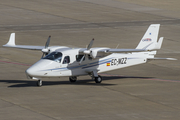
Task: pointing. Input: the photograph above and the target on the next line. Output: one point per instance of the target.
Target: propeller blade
(46, 46)
(81, 59)
(48, 41)
(90, 44)
(43, 55)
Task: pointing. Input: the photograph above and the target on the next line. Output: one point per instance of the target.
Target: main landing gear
(73, 79)
(98, 79)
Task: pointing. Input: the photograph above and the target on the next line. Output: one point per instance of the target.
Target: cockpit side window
(79, 57)
(55, 56)
(66, 60)
(89, 57)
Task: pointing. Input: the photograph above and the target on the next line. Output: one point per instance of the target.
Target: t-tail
(150, 42)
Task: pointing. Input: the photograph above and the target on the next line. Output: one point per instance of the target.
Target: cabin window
(66, 60)
(79, 57)
(55, 56)
(89, 57)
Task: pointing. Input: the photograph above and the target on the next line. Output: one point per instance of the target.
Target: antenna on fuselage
(117, 46)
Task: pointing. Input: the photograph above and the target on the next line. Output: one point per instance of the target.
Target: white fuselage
(54, 68)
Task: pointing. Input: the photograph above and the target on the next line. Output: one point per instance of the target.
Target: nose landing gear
(39, 83)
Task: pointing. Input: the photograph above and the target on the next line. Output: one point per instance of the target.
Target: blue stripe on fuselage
(83, 66)
(93, 64)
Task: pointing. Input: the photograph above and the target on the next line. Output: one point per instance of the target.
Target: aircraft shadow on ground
(32, 83)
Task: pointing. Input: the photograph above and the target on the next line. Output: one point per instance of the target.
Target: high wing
(157, 46)
(11, 43)
(45, 49)
(121, 50)
(149, 44)
(109, 50)
(25, 47)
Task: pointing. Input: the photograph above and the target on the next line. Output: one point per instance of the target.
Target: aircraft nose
(37, 70)
(31, 72)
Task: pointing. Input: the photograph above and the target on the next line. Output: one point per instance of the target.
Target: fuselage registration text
(118, 61)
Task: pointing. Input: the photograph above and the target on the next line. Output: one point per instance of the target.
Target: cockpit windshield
(55, 56)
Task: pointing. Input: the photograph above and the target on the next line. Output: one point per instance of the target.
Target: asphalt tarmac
(145, 92)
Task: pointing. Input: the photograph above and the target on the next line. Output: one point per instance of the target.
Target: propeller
(87, 51)
(45, 50)
(90, 44)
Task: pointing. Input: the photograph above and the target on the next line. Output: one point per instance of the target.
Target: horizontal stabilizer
(161, 58)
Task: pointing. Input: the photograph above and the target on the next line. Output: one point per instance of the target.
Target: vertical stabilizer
(149, 39)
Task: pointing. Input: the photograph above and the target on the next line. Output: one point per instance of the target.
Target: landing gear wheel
(98, 79)
(39, 83)
(73, 79)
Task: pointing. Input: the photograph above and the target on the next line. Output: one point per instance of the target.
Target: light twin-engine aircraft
(73, 62)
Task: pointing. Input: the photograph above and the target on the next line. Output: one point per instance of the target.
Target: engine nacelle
(95, 54)
(45, 50)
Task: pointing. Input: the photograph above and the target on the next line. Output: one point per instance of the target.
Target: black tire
(73, 79)
(39, 83)
(98, 79)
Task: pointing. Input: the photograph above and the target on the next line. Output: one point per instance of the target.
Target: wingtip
(172, 59)
(11, 41)
(155, 24)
